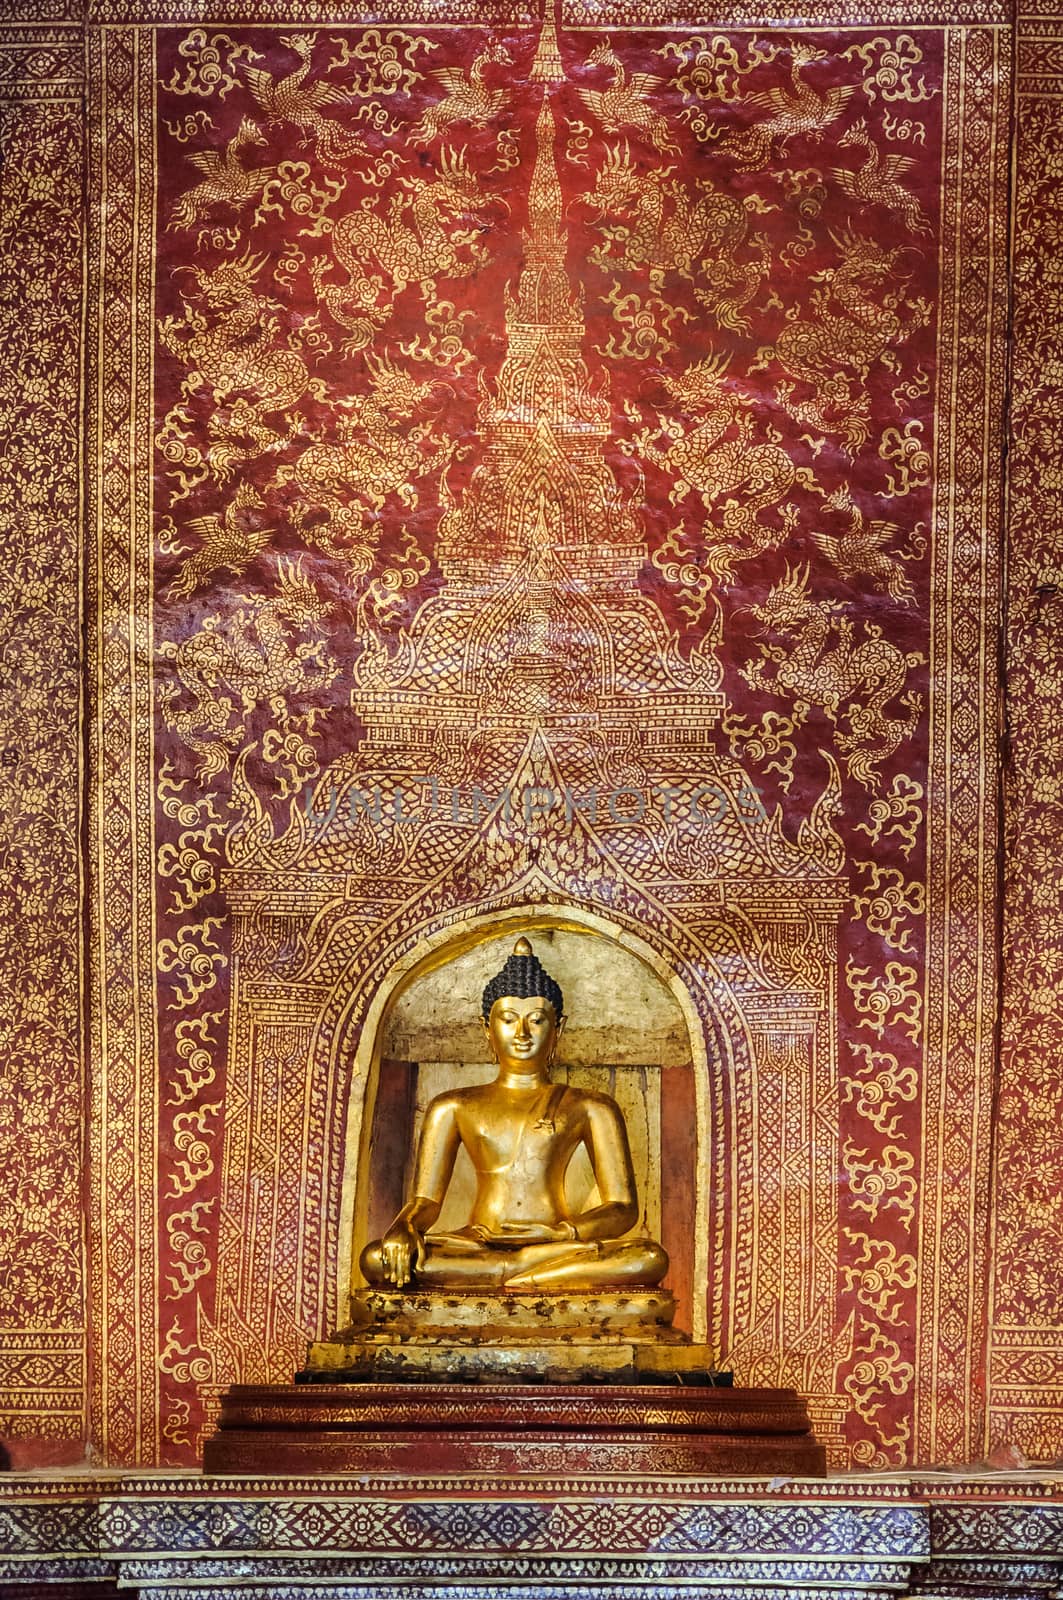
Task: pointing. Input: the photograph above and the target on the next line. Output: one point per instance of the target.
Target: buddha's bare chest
(500, 1139)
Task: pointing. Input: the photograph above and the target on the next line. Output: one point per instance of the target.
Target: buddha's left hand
(512, 1235)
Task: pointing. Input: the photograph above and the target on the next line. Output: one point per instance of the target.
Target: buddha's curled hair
(524, 977)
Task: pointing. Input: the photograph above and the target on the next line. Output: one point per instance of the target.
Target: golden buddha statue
(520, 1132)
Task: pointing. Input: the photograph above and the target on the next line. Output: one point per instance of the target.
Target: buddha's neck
(513, 1078)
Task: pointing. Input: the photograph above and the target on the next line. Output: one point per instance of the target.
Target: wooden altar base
(512, 1430)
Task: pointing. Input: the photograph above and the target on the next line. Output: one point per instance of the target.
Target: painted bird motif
(878, 181)
(225, 181)
(860, 552)
(468, 99)
(288, 99)
(229, 543)
(798, 110)
(624, 103)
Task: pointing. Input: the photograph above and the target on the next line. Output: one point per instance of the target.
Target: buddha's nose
(522, 1027)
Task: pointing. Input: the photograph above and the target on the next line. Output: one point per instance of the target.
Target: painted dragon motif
(625, 103)
(225, 180)
(818, 661)
(878, 181)
(312, 108)
(229, 346)
(468, 99)
(851, 329)
(797, 111)
(721, 459)
(669, 230)
(376, 452)
(258, 655)
(413, 243)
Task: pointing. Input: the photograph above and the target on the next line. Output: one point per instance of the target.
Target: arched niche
(632, 1030)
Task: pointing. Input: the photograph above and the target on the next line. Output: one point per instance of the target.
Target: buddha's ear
(562, 1019)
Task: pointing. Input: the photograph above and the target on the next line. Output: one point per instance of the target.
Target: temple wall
(664, 620)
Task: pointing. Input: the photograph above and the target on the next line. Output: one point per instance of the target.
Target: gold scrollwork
(878, 1368)
(890, 69)
(195, 1044)
(188, 861)
(889, 998)
(767, 740)
(177, 1414)
(194, 1160)
(880, 1275)
(881, 1084)
(385, 61)
(185, 1363)
(645, 325)
(880, 1178)
(712, 70)
(194, 960)
(907, 454)
(294, 186)
(886, 902)
(188, 1252)
(897, 814)
(445, 346)
(211, 68)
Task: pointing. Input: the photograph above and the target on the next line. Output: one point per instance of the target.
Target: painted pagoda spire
(544, 422)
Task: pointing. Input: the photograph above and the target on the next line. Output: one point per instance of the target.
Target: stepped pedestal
(519, 1430)
(517, 1385)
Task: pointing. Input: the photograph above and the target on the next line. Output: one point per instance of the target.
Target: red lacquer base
(417, 1430)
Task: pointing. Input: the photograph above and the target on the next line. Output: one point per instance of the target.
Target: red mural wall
(606, 379)
(548, 466)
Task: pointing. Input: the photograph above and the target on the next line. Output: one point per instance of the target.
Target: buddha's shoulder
(590, 1101)
(452, 1099)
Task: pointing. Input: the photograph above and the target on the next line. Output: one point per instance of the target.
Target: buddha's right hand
(401, 1251)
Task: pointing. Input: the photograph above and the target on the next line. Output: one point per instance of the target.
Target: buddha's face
(523, 1033)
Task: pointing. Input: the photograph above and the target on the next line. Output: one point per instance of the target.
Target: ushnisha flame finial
(523, 975)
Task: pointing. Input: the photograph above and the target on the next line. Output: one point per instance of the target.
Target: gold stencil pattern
(1026, 1338)
(42, 1292)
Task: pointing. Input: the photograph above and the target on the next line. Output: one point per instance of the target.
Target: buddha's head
(523, 1013)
